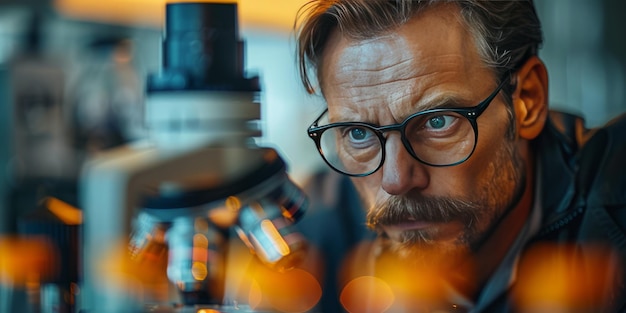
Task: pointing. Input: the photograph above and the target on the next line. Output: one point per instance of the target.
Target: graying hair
(506, 32)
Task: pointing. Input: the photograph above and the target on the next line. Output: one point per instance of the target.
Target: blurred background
(584, 51)
(73, 72)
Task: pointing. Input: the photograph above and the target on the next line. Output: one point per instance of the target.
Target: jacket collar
(556, 148)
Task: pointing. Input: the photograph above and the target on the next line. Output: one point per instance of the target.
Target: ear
(530, 98)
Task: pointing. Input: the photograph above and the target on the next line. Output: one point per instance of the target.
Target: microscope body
(111, 197)
(156, 198)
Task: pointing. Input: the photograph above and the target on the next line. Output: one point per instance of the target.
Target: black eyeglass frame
(471, 113)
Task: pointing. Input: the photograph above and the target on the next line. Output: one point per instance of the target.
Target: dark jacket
(583, 194)
(583, 185)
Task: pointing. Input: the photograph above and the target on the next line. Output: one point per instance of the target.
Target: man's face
(433, 215)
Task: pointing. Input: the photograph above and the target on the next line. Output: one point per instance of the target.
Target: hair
(506, 33)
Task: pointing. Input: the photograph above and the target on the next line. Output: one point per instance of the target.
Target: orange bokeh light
(291, 291)
(367, 294)
(276, 15)
(565, 278)
(27, 260)
(415, 287)
(139, 276)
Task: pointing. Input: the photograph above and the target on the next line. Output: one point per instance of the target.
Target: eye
(358, 134)
(359, 137)
(439, 122)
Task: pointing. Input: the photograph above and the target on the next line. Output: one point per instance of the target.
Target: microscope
(197, 179)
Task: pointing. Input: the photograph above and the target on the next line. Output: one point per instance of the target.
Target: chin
(421, 272)
(417, 249)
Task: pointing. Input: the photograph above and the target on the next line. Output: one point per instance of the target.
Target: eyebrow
(447, 101)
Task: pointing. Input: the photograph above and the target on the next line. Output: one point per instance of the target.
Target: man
(438, 112)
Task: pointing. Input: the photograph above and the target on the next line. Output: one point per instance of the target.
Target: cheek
(492, 140)
(469, 178)
(369, 189)
(459, 182)
(498, 174)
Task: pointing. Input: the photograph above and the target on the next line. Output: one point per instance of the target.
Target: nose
(401, 172)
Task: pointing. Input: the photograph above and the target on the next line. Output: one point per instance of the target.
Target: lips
(434, 231)
(395, 231)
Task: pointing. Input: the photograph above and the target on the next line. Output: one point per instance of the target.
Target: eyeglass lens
(437, 138)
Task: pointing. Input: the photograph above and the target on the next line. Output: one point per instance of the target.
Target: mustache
(400, 209)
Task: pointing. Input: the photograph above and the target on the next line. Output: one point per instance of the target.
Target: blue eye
(440, 121)
(359, 137)
(358, 134)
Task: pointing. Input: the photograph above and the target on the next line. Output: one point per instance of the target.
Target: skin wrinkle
(431, 100)
(462, 204)
(409, 70)
(356, 74)
(336, 102)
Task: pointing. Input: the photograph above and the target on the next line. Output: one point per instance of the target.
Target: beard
(416, 245)
(498, 192)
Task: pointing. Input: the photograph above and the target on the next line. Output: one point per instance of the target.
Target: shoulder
(603, 164)
(595, 161)
(602, 184)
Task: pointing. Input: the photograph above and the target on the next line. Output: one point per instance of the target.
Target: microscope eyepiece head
(202, 50)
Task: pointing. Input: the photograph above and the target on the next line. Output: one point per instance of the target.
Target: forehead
(431, 54)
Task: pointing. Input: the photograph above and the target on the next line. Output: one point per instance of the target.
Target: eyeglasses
(436, 137)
